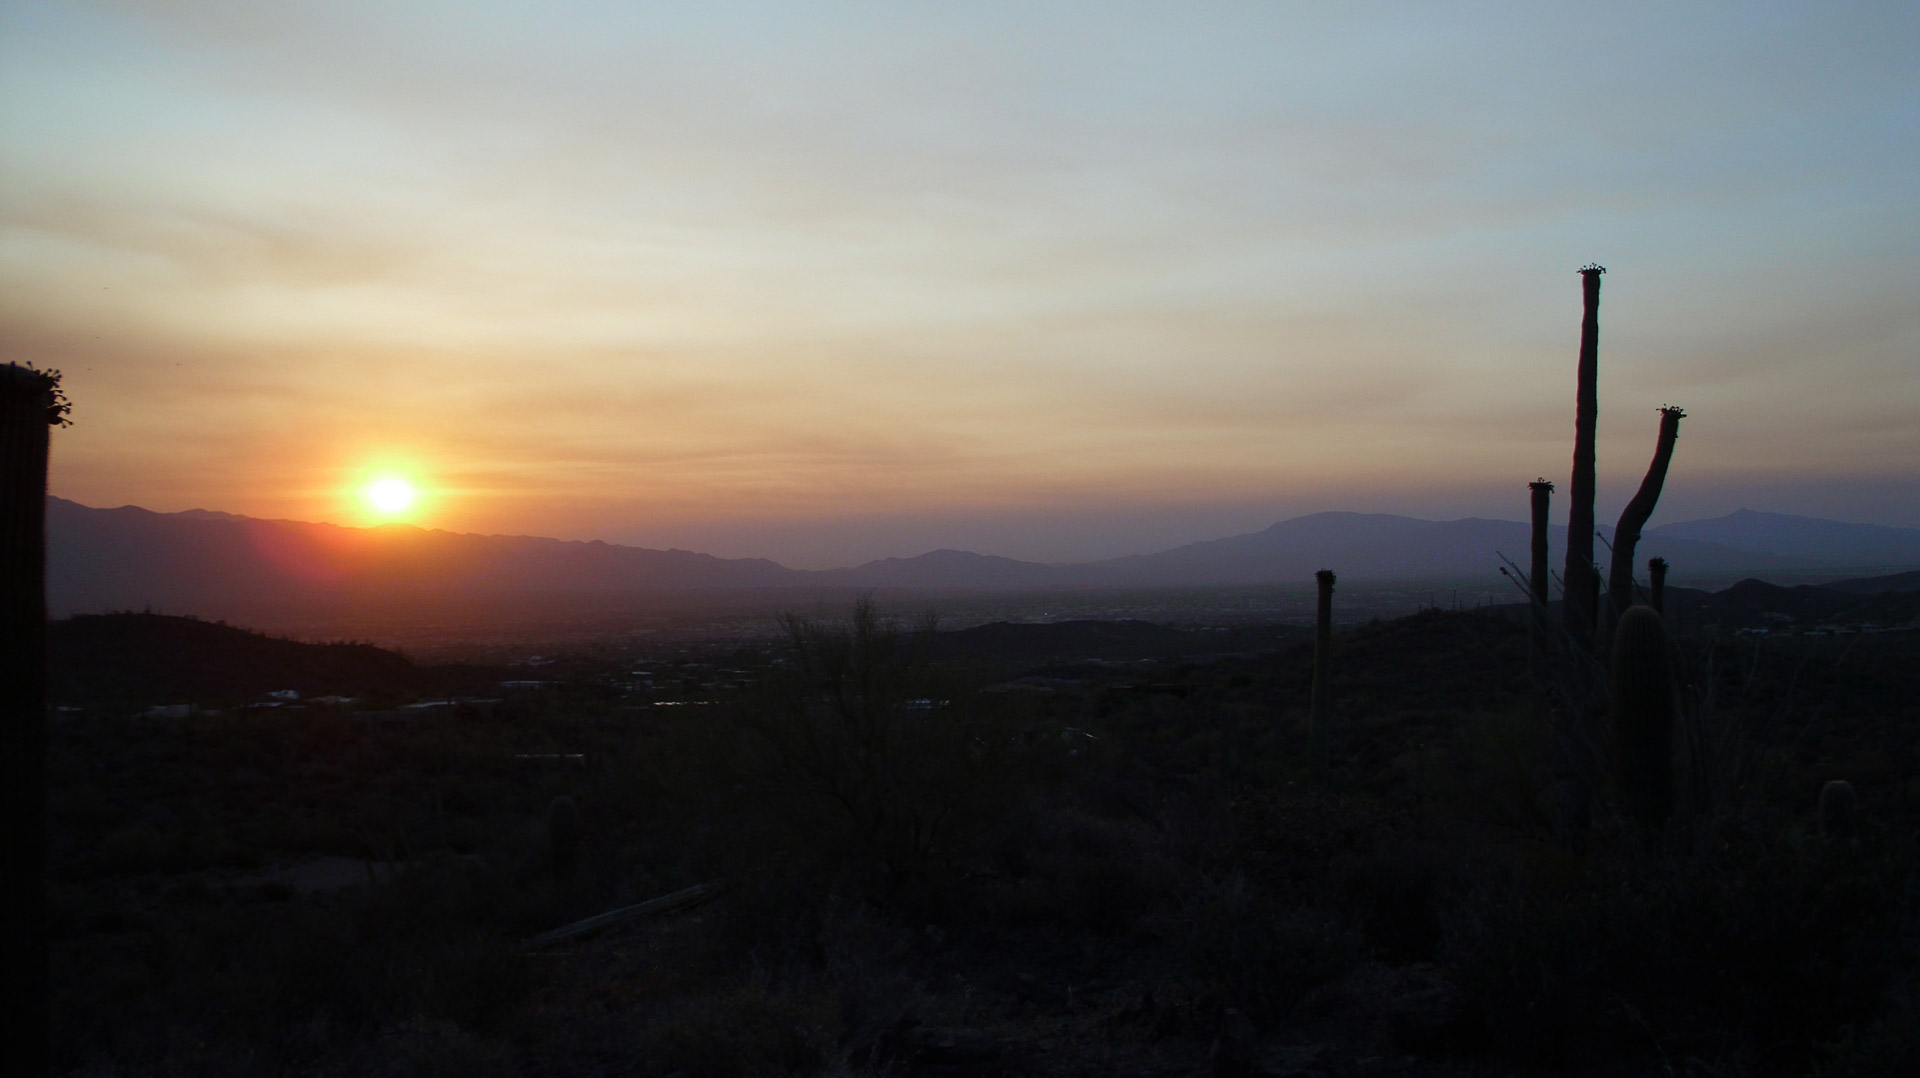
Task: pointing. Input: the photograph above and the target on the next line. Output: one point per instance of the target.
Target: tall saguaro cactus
(1580, 580)
(1626, 534)
(1321, 720)
(30, 404)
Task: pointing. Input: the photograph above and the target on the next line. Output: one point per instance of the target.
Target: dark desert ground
(1067, 847)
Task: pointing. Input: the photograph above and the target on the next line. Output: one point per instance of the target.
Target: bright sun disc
(390, 495)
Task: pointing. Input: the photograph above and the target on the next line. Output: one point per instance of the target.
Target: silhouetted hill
(1378, 546)
(1803, 602)
(1758, 604)
(276, 572)
(1110, 641)
(949, 569)
(1824, 542)
(216, 563)
(154, 658)
(1878, 585)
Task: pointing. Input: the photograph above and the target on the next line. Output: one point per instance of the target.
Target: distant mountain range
(219, 564)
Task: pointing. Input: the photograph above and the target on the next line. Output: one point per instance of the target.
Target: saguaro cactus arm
(1626, 534)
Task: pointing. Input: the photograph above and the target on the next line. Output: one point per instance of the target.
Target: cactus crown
(1593, 267)
(26, 379)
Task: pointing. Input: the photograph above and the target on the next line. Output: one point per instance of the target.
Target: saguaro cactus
(1657, 584)
(1322, 718)
(1626, 534)
(1580, 580)
(1537, 580)
(30, 404)
(1645, 703)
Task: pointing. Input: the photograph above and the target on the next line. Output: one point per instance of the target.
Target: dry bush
(874, 765)
(1253, 951)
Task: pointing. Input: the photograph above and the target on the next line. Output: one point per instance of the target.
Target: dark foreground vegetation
(944, 860)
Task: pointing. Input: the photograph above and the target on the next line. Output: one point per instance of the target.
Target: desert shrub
(1063, 866)
(142, 847)
(875, 766)
(752, 1031)
(1498, 771)
(423, 945)
(1257, 952)
(1758, 952)
(1284, 839)
(1396, 896)
(1887, 1045)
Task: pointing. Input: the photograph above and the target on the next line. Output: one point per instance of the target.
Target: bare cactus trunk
(1538, 582)
(1626, 534)
(1580, 581)
(1645, 714)
(1322, 717)
(30, 402)
(1657, 585)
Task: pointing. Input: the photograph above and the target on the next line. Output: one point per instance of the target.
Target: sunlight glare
(390, 495)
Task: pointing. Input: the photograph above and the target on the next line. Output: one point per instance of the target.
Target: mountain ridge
(208, 561)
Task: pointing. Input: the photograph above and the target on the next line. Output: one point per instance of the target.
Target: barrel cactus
(1645, 709)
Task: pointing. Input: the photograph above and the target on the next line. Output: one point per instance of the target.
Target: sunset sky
(828, 282)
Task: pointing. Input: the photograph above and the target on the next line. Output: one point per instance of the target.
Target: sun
(391, 496)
